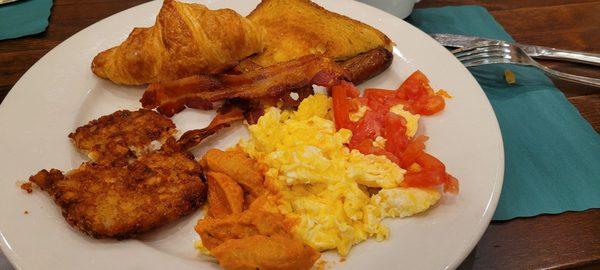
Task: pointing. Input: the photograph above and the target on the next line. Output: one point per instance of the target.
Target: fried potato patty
(119, 202)
(123, 192)
(123, 135)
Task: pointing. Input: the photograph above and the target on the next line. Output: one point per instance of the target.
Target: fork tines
(484, 53)
(500, 52)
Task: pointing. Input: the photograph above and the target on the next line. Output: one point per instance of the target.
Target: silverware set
(475, 51)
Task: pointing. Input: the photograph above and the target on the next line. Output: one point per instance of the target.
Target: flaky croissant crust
(186, 39)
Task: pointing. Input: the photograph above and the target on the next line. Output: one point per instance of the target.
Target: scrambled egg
(412, 120)
(379, 142)
(323, 184)
(402, 202)
(358, 114)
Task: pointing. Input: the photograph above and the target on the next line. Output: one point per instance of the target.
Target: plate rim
(492, 202)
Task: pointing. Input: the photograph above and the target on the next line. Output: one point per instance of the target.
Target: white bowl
(398, 8)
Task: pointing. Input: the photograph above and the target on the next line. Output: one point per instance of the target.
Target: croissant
(186, 39)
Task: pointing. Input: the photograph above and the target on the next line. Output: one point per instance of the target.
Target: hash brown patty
(125, 197)
(122, 135)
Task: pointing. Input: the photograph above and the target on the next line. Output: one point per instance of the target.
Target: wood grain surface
(568, 240)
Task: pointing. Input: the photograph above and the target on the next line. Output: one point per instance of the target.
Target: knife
(7, 1)
(460, 41)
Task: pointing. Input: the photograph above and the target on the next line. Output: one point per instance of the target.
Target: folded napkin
(552, 154)
(24, 17)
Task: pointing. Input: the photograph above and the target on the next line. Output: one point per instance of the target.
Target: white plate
(60, 93)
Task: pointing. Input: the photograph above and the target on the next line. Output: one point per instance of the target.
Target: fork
(500, 52)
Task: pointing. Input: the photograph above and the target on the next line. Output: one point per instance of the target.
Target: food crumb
(509, 76)
(443, 93)
(27, 187)
(26, 212)
(342, 259)
(321, 264)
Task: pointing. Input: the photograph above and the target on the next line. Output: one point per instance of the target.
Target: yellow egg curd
(338, 196)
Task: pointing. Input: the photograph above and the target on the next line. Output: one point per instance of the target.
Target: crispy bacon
(201, 91)
(253, 114)
(232, 110)
(365, 66)
(301, 94)
(225, 116)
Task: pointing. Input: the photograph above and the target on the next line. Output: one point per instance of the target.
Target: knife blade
(2, 2)
(460, 41)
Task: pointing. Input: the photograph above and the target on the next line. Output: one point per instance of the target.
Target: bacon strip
(201, 91)
(223, 119)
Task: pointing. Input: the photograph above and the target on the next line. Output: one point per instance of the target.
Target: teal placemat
(24, 17)
(552, 154)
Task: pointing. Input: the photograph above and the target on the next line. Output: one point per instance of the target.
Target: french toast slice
(300, 27)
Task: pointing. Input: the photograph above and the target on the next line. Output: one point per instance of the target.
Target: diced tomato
(354, 105)
(378, 93)
(414, 148)
(434, 105)
(376, 105)
(351, 90)
(366, 147)
(420, 97)
(428, 105)
(424, 178)
(389, 155)
(368, 127)
(451, 185)
(342, 106)
(395, 133)
(380, 99)
(394, 122)
(393, 101)
(363, 101)
(430, 179)
(430, 162)
(341, 110)
(434, 168)
(414, 86)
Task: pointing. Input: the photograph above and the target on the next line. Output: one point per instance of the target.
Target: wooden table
(548, 241)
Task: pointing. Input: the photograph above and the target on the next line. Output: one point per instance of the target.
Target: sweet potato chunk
(236, 226)
(225, 196)
(238, 166)
(266, 253)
